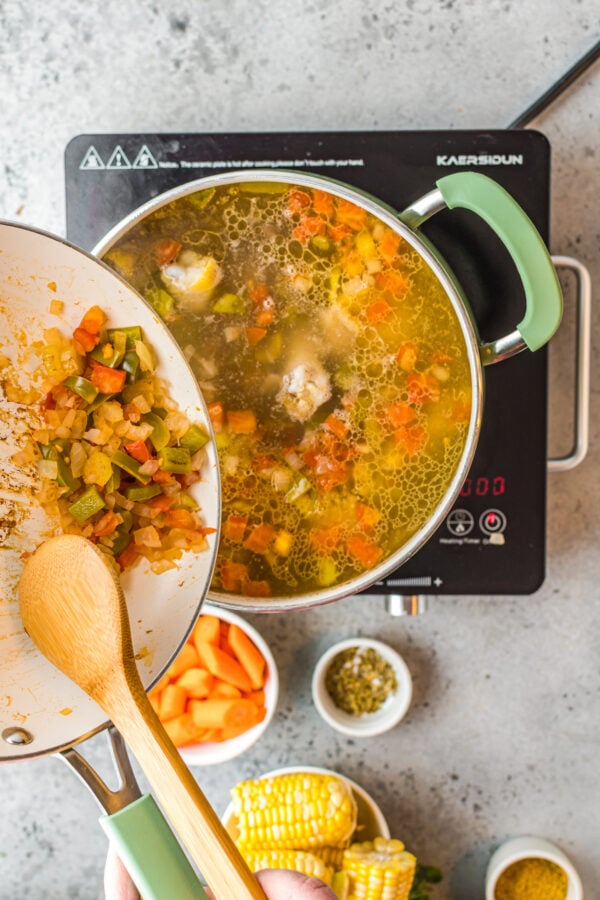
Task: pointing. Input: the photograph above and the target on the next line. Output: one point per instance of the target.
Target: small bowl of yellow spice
(531, 868)
(361, 687)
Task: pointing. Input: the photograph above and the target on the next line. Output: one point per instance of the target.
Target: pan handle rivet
(16, 736)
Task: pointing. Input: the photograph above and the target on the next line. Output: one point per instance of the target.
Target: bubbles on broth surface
(335, 370)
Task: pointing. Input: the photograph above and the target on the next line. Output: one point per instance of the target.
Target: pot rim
(390, 217)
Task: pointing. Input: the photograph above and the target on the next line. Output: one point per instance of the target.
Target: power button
(492, 521)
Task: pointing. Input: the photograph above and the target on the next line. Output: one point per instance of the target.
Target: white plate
(36, 268)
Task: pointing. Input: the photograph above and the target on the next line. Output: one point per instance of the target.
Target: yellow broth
(334, 367)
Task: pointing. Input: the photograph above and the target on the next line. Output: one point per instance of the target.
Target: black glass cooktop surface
(493, 541)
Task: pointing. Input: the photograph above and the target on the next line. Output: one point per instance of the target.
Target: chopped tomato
(234, 527)
(128, 557)
(422, 387)
(367, 516)
(297, 201)
(217, 416)
(48, 401)
(393, 281)
(350, 214)
(166, 251)
(259, 538)
(322, 202)
(378, 312)
(161, 477)
(411, 438)
(364, 551)
(232, 575)
(108, 381)
(400, 413)
(241, 421)
(139, 450)
(336, 425)
(107, 524)
(407, 356)
(255, 335)
(84, 340)
(180, 518)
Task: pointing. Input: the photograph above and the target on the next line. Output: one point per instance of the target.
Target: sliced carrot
(241, 421)
(350, 214)
(186, 658)
(248, 655)
(411, 438)
(393, 281)
(297, 201)
(258, 292)
(224, 666)
(180, 518)
(407, 356)
(201, 648)
(172, 702)
(422, 387)
(166, 250)
(259, 538)
(325, 540)
(161, 683)
(224, 689)
(223, 712)
(228, 733)
(265, 317)
(207, 628)
(183, 730)
(196, 682)
(257, 697)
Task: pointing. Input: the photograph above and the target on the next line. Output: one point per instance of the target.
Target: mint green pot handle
(482, 195)
(150, 853)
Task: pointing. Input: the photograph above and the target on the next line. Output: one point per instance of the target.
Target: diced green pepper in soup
(334, 368)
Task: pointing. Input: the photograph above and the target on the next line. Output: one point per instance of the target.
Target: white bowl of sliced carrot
(220, 693)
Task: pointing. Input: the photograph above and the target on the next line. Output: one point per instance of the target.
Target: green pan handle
(482, 195)
(150, 853)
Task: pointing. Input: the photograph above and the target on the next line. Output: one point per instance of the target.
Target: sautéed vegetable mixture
(334, 368)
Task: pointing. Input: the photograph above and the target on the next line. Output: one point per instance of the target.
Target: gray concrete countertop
(503, 737)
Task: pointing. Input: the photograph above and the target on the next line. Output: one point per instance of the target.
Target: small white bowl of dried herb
(362, 687)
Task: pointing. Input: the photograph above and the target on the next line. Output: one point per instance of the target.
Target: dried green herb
(359, 680)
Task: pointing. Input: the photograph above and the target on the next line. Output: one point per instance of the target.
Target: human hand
(278, 884)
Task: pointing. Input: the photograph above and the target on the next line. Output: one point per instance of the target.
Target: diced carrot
(248, 654)
(207, 628)
(264, 317)
(259, 538)
(138, 450)
(389, 245)
(309, 227)
(241, 421)
(180, 518)
(378, 312)
(411, 438)
(232, 575)
(161, 503)
(258, 292)
(216, 415)
(297, 201)
(172, 702)
(393, 281)
(338, 232)
(107, 380)
(223, 712)
(93, 320)
(161, 683)
(185, 659)
(325, 539)
(228, 733)
(364, 551)
(461, 411)
(367, 517)
(422, 387)
(161, 477)
(255, 335)
(234, 527)
(222, 688)
(401, 413)
(350, 214)
(166, 250)
(336, 425)
(322, 202)
(84, 340)
(210, 735)
(183, 730)
(196, 682)
(128, 557)
(107, 524)
(407, 356)
(225, 667)
(256, 588)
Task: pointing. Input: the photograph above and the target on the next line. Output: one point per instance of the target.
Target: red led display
(484, 486)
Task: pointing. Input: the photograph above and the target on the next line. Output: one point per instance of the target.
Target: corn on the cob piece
(297, 811)
(379, 870)
(297, 860)
(331, 856)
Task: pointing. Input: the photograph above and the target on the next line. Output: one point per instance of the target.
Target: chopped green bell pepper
(160, 433)
(229, 303)
(111, 352)
(132, 334)
(176, 460)
(194, 439)
(80, 385)
(143, 493)
(131, 364)
(130, 465)
(90, 502)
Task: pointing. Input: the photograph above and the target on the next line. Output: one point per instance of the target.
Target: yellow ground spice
(532, 879)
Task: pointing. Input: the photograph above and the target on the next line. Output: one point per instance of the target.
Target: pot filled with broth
(340, 362)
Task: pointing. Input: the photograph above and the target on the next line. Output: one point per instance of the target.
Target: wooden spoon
(74, 610)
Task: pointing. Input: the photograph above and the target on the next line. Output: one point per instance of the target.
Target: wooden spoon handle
(195, 822)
